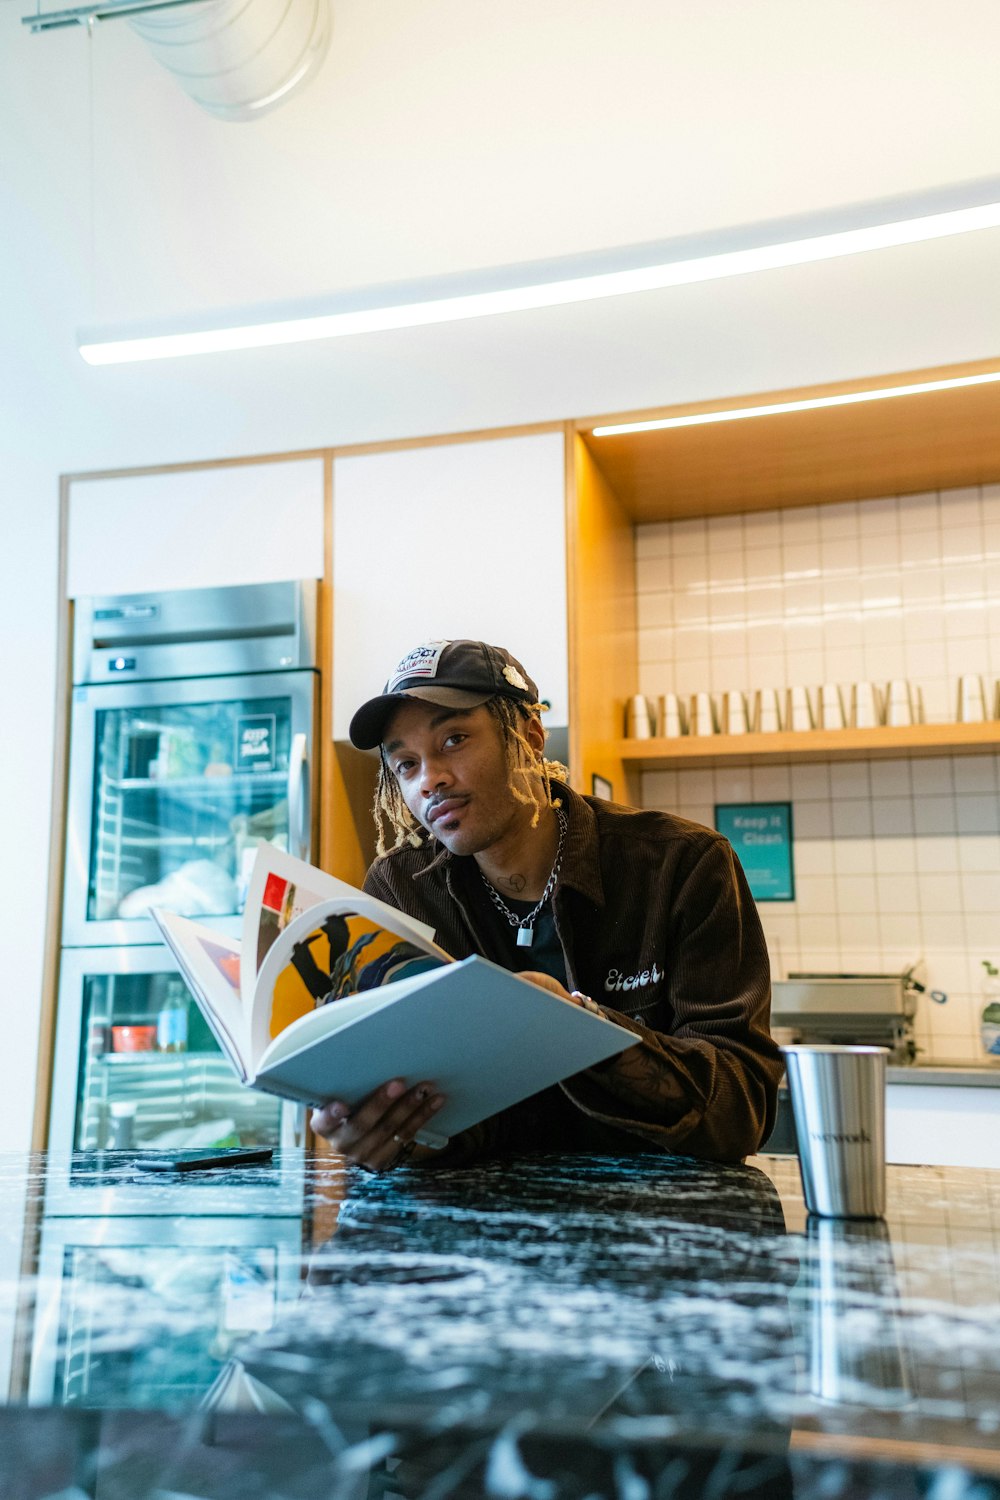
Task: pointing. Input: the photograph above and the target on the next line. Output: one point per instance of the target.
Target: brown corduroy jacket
(658, 925)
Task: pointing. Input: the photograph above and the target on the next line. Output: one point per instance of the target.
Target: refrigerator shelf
(240, 782)
(177, 1060)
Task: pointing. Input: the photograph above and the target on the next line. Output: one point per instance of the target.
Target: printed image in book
(225, 960)
(282, 900)
(346, 954)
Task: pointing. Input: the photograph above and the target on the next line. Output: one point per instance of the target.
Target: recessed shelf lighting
(850, 398)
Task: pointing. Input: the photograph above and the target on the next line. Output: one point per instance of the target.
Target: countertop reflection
(543, 1327)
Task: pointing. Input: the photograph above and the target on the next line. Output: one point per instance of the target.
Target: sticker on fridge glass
(255, 742)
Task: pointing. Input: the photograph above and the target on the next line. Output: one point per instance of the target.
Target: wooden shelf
(815, 744)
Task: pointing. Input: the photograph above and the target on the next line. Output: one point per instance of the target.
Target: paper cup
(798, 709)
(640, 721)
(673, 719)
(831, 706)
(866, 706)
(898, 702)
(971, 699)
(767, 711)
(734, 712)
(703, 719)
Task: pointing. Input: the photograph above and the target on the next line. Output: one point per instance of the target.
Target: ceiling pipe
(238, 59)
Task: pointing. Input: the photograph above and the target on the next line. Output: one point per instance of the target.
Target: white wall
(440, 137)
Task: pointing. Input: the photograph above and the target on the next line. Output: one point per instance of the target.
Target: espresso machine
(848, 1009)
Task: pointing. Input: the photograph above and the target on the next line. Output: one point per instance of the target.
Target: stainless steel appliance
(224, 1278)
(873, 1009)
(192, 739)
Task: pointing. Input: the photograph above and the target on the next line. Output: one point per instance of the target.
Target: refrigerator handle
(298, 797)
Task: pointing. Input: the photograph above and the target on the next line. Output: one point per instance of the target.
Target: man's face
(452, 773)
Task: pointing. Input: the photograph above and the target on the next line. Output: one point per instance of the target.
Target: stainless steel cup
(838, 1104)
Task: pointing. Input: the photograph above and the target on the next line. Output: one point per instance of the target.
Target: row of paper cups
(864, 705)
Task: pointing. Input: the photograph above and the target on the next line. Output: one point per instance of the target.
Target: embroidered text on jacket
(616, 980)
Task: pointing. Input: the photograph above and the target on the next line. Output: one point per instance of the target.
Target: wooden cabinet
(449, 540)
(440, 540)
(929, 441)
(195, 527)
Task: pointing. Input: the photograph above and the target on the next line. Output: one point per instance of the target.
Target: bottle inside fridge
(172, 1019)
(140, 1088)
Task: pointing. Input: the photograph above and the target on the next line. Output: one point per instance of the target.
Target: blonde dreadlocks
(393, 817)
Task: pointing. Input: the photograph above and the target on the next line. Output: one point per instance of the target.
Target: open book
(330, 993)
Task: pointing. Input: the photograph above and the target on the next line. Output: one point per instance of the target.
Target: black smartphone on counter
(204, 1161)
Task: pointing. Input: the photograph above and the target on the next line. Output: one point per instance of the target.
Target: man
(641, 914)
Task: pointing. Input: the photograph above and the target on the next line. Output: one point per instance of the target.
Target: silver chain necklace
(526, 925)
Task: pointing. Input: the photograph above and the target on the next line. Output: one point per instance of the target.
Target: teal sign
(761, 834)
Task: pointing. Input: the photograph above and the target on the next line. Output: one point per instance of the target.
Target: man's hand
(546, 982)
(380, 1133)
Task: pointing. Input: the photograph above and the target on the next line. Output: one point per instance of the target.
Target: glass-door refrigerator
(192, 739)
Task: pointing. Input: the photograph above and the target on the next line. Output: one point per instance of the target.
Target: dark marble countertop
(547, 1327)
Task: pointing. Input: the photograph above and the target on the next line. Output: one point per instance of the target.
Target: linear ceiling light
(851, 398)
(579, 279)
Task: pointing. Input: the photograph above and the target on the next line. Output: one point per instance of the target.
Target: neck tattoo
(526, 925)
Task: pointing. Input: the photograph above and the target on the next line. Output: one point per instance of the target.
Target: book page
(210, 965)
(341, 948)
(281, 889)
(328, 1019)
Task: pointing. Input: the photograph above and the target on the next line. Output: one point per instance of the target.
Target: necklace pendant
(525, 936)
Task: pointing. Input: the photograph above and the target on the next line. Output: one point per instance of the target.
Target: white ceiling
(443, 135)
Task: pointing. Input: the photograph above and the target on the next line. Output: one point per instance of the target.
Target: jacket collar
(581, 866)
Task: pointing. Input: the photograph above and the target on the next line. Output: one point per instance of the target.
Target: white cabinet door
(934, 1125)
(444, 542)
(196, 528)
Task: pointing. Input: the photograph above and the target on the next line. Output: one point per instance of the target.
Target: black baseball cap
(456, 674)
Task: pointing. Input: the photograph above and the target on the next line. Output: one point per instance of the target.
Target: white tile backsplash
(919, 512)
(895, 860)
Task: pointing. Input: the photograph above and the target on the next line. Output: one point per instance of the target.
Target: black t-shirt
(545, 955)
(548, 1121)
